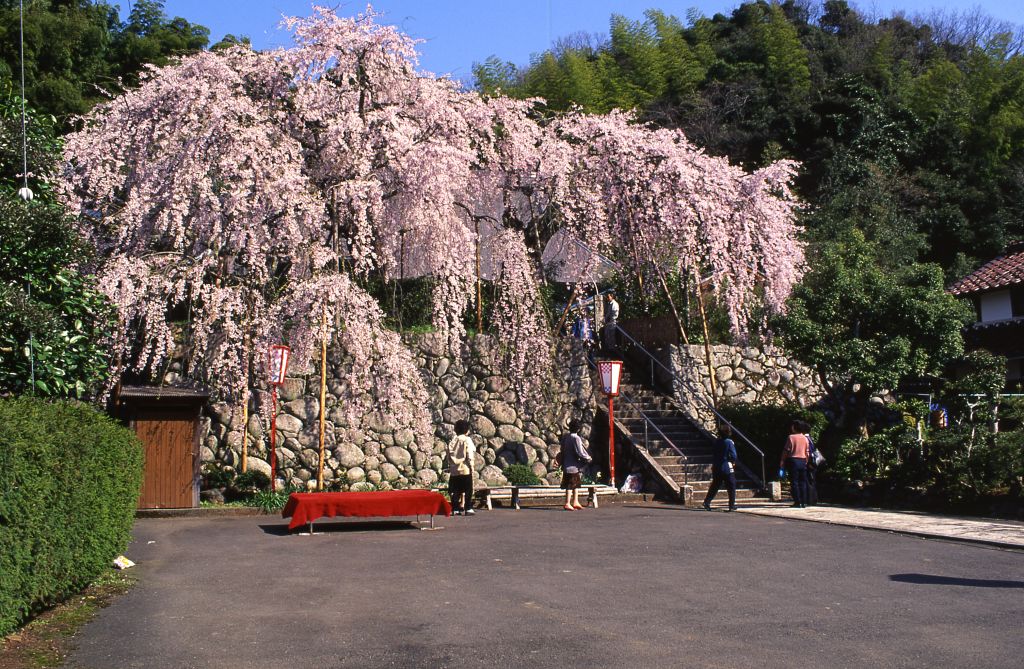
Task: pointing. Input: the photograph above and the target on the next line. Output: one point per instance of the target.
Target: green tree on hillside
(76, 49)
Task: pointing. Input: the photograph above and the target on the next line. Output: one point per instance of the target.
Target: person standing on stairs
(794, 457)
(573, 456)
(611, 322)
(723, 464)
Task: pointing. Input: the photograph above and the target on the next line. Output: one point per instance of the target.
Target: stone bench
(516, 493)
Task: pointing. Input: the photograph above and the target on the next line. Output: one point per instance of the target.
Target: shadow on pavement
(928, 579)
(325, 527)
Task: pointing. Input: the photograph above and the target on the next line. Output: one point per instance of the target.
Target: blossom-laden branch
(247, 190)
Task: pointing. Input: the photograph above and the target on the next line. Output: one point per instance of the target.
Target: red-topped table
(305, 507)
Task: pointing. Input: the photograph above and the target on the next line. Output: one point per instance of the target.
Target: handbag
(818, 458)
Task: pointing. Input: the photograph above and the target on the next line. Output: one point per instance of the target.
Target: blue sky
(461, 32)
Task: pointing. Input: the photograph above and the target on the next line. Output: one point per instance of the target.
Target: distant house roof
(566, 259)
(1005, 271)
(166, 395)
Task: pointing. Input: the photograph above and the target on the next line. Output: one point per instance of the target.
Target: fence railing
(648, 424)
(700, 397)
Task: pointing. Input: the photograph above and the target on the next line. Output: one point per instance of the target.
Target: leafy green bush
(216, 476)
(768, 426)
(69, 486)
(252, 480)
(272, 501)
(520, 475)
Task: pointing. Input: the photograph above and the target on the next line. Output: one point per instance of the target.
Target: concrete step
(741, 493)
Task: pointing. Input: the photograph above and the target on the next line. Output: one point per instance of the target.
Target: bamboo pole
(245, 428)
(568, 306)
(707, 346)
(479, 306)
(323, 403)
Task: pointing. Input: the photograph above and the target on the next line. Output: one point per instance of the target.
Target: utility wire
(24, 131)
(24, 174)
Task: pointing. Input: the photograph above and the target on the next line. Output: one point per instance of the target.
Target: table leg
(431, 521)
(594, 496)
(310, 523)
(515, 498)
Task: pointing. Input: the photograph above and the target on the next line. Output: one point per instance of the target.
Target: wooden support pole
(245, 428)
(707, 346)
(479, 291)
(568, 306)
(323, 403)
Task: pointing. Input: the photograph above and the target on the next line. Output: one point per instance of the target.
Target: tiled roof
(1006, 270)
(158, 392)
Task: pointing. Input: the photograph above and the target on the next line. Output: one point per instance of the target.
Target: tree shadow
(929, 579)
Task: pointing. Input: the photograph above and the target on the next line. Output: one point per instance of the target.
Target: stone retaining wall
(384, 456)
(742, 374)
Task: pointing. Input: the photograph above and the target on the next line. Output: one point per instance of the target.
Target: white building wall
(996, 306)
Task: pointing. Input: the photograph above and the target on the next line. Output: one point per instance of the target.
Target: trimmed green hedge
(768, 426)
(520, 474)
(70, 479)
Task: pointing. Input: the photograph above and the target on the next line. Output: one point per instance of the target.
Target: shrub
(252, 480)
(520, 475)
(768, 426)
(70, 480)
(216, 476)
(272, 501)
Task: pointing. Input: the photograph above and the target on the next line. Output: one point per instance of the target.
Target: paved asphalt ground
(626, 586)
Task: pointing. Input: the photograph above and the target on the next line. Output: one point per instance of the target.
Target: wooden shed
(166, 419)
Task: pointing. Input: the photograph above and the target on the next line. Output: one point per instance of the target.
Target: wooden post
(479, 306)
(707, 346)
(323, 403)
(245, 428)
(568, 306)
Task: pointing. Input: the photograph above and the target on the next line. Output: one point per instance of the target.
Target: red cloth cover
(305, 507)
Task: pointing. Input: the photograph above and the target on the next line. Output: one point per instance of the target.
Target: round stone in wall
(389, 471)
(510, 433)
(426, 477)
(404, 437)
(482, 425)
(493, 476)
(290, 426)
(355, 474)
(500, 412)
(349, 455)
(397, 456)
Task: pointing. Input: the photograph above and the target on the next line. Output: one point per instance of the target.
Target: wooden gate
(166, 420)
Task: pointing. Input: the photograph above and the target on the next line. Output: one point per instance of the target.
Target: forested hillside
(75, 50)
(910, 130)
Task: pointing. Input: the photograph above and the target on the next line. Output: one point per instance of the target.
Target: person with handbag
(572, 457)
(794, 458)
(723, 464)
(814, 462)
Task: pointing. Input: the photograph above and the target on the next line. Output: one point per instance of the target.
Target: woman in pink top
(794, 457)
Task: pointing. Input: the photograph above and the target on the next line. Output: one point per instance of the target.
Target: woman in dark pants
(794, 457)
(723, 463)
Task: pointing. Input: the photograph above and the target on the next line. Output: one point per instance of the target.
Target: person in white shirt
(461, 451)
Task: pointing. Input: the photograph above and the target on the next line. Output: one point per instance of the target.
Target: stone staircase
(667, 426)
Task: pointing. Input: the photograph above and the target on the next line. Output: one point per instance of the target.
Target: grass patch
(46, 640)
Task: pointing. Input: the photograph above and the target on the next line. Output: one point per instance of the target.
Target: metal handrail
(650, 423)
(700, 395)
